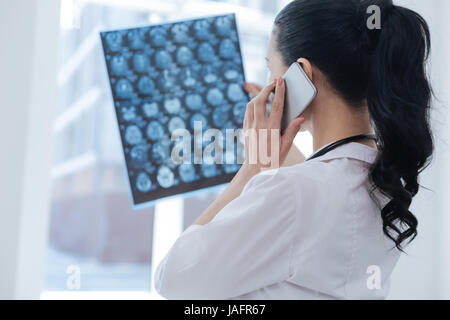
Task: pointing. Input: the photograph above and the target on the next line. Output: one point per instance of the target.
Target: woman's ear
(307, 67)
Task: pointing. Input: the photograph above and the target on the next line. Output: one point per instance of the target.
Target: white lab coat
(309, 231)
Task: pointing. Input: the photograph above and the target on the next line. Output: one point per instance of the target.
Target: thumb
(290, 133)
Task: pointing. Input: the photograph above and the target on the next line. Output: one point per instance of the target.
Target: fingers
(261, 100)
(265, 92)
(289, 135)
(278, 104)
(252, 88)
(249, 116)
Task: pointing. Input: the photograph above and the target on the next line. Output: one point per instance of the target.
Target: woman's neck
(334, 120)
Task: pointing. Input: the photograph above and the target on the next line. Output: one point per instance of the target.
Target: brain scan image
(124, 89)
(128, 113)
(143, 182)
(227, 49)
(165, 177)
(184, 56)
(140, 62)
(176, 123)
(133, 135)
(139, 156)
(150, 109)
(187, 79)
(239, 112)
(155, 130)
(119, 65)
(202, 30)
(158, 37)
(146, 85)
(194, 101)
(205, 52)
(163, 59)
(223, 26)
(220, 116)
(114, 41)
(136, 38)
(176, 76)
(214, 97)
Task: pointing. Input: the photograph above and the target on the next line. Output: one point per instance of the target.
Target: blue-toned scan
(124, 89)
(146, 85)
(165, 177)
(187, 78)
(200, 119)
(227, 49)
(150, 109)
(172, 80)
(176, 123)
(158, 36)
(139, 156)
(202, 29)
(184, 56)
(141, 62)
(163, 59)
(161, 151)
(136, 38)
(220, 116)
(194, 101)
(187, 172)
(235, 93)
(143, 182)
(155, 130)
(172, 106)
(224, 26)
(166, 83)
(214, 97)
(239, 112)
(210, 76)
(205, 52)
(133, 135)
(114, 41)
(119, 65)
(230, 73)
(209, 170)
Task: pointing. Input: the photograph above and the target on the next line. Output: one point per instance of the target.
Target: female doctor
(331, 227)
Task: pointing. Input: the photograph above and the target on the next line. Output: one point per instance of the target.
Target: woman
(332, 227)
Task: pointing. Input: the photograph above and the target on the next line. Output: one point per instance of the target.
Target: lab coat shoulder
(248, 245)
(337, 223)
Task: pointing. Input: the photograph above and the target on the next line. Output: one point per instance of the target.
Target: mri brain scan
(171, 77)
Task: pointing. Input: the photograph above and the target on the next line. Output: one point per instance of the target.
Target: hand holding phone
(300, 92)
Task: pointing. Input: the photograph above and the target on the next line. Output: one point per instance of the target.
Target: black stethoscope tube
(338, 143)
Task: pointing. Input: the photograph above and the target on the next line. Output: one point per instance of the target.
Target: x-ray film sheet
(171, 76)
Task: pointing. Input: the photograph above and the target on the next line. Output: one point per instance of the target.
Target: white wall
(28, 33)
(425, 272)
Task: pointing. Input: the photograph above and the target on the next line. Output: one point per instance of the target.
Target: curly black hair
(381, 68)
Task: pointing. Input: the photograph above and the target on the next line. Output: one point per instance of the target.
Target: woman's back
(339, 248)
(309, 231)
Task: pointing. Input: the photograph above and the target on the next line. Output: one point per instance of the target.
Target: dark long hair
(385, 68)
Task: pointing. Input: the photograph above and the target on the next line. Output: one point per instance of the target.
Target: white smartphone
(300, 92)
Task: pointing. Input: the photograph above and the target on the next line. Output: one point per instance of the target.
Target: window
(93, 228)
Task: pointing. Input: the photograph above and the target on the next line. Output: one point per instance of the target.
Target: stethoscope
(338, 143)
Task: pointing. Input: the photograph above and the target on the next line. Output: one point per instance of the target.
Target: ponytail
(398, 99)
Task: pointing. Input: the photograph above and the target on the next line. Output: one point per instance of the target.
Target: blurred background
(67, 229)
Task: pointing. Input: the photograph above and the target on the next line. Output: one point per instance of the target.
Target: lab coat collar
(352, 150)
